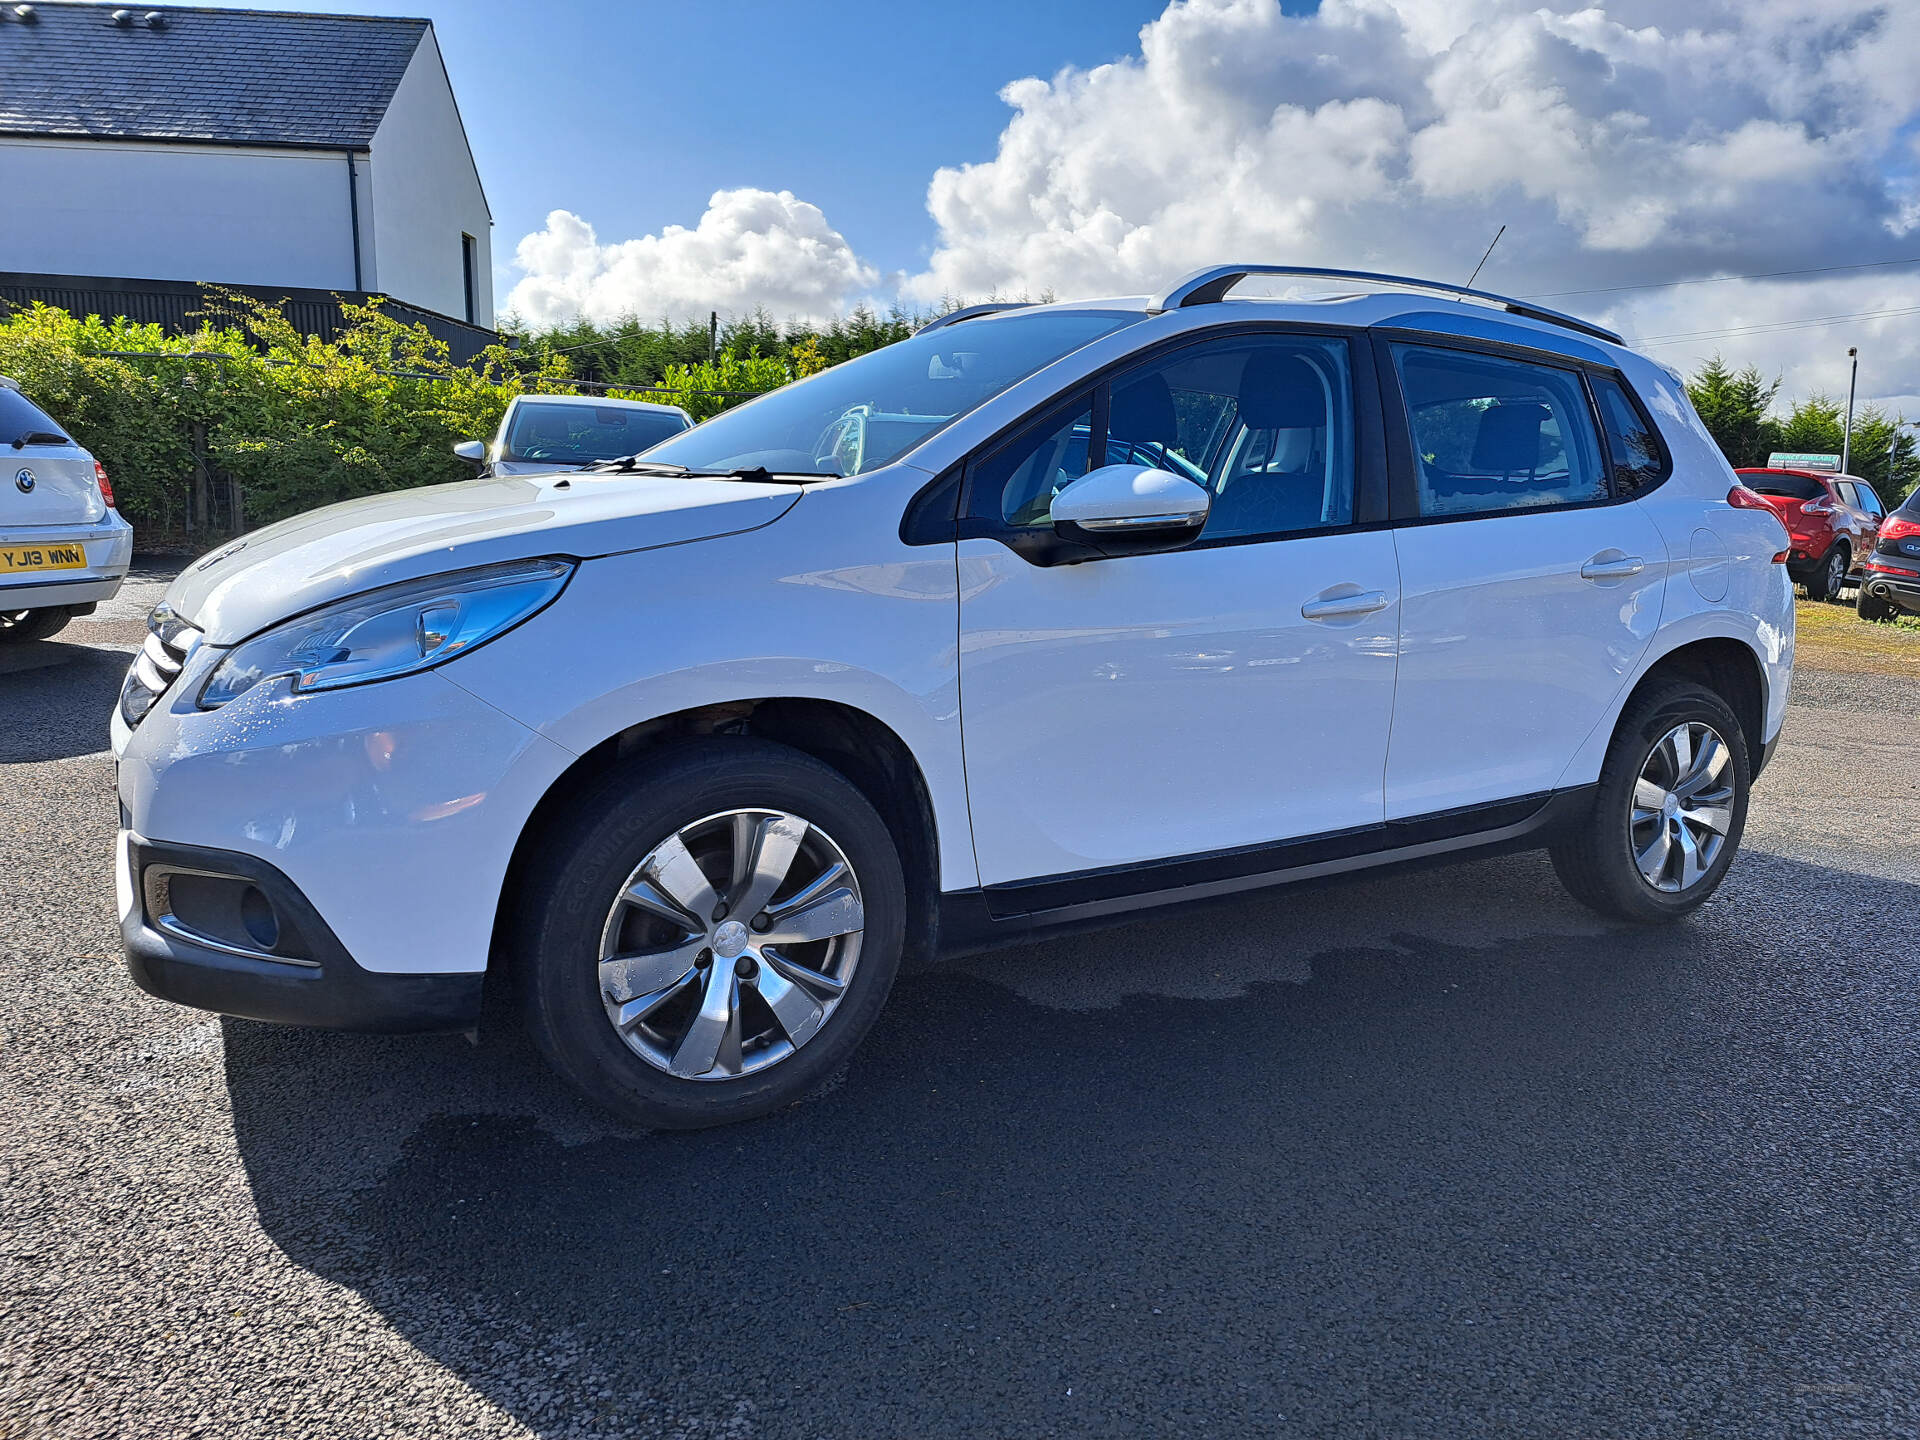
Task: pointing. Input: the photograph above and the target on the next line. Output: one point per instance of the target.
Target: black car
(1890, 582)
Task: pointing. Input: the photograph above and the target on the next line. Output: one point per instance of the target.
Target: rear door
(45, 479)
(1531, 584)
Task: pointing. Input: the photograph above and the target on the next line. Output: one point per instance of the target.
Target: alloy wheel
(1836, 572)
(731, 944)
(1682, 807)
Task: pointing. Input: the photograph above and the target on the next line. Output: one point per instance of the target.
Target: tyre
(1668, 812)
(1824, 582)
(709, 933)
(19, 626)
(1868, 608)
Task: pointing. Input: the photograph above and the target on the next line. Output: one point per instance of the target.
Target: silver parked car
(63, 547)
(543, 433)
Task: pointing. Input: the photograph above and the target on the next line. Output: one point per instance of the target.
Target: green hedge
(293, 421)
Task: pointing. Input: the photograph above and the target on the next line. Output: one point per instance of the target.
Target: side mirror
(474, 452)
(1130, 510)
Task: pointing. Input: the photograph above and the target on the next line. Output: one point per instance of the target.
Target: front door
(1233, 693)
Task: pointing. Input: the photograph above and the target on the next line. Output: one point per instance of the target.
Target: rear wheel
(710, 933)
(19, 626)
(1668, 812)
(1868, 608)
(1824, 582)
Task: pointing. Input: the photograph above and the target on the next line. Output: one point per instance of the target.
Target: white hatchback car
(543, 433)
(63, 547)
(1044, 617)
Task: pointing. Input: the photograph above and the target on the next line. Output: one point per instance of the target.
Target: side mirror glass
(474, 452)
(1130, 509)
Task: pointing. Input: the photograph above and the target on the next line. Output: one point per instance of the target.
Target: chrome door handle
(1612, 567)
(1345, 607)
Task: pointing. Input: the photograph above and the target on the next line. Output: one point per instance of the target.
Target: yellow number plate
(19, 559)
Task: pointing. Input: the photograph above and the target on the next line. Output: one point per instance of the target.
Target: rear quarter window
(1637, 459)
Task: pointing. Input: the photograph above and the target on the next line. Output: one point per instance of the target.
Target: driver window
(1033, 467)
(1265, 423)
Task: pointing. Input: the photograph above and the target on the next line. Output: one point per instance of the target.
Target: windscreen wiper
(40, 437)
(635, 465)
(762, 475)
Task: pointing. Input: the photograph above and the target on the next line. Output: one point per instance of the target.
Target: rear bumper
(324, 987)
(1901, 590)
(109, 547)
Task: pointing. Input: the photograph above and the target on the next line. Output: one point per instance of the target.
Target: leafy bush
(293, 421)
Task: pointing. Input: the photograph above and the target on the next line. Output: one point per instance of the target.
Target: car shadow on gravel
(1587, 1184)
(56, 699)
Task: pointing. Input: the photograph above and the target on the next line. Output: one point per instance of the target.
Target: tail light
(1895, 527)
(106, 485)
(1817, 507)
(1741, 498)
(1893, 530)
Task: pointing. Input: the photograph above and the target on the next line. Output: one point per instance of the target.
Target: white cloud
(1622, 141)
(751, 247)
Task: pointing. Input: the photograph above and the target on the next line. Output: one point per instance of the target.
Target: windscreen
(581, 434)
(861, 414)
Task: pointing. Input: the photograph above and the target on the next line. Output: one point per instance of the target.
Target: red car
(1833, 521)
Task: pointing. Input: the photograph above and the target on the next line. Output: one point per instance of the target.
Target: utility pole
(1846, 437)
(713, 335)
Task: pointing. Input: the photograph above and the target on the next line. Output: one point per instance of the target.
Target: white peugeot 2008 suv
(1044, 617)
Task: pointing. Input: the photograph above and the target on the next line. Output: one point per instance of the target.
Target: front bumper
(389, 811)
(323, 987)
(109, 547)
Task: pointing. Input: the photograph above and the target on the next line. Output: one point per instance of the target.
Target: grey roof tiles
(245, 77)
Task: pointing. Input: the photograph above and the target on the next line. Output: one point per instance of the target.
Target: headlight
(389, 632)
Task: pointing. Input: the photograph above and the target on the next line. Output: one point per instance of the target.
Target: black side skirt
(993, 915)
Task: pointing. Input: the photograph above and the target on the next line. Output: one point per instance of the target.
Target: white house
(273, 151)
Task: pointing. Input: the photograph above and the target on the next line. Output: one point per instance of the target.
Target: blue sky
(632, 115)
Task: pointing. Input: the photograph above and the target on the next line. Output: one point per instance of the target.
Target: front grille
(170, 641)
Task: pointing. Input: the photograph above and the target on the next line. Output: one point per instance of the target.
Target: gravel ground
(1432, 1155)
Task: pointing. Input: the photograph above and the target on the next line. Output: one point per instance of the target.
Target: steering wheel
(845, 440)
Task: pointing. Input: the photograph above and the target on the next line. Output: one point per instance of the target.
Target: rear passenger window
(1492, 435)
(1639, 462)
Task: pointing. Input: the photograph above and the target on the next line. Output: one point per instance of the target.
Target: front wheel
(710, 932)
(1668, 811)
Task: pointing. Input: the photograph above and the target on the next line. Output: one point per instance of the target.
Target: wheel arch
(860, 746)
(1729, 667)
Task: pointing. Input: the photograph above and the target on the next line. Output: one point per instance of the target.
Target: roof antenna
(1483, 259)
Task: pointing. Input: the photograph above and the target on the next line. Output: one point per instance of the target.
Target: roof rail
(1209, 286)
(971, 312)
